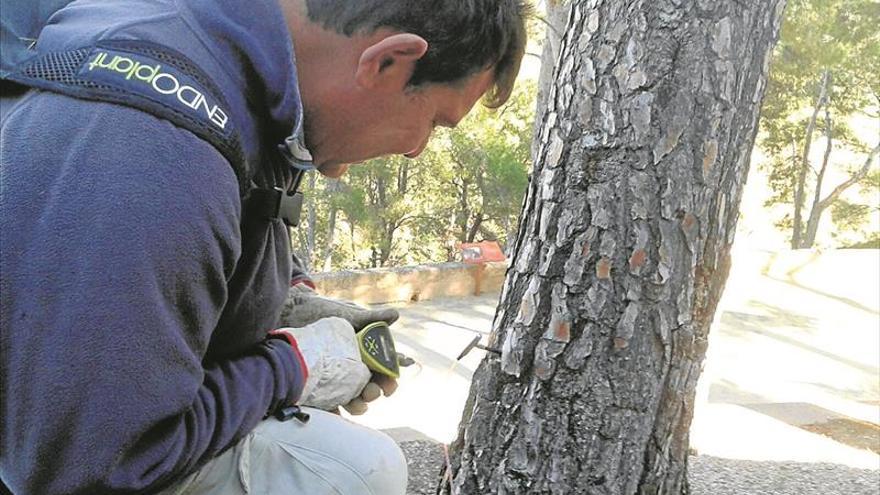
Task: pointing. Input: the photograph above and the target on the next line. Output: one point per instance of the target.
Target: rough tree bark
(555, 15)
(622, 252)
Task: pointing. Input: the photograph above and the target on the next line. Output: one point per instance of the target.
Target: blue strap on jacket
(163, 82)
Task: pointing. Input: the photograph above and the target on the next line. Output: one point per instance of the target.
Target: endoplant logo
(161, 82)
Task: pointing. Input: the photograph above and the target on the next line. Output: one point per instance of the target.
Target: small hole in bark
(596, 480)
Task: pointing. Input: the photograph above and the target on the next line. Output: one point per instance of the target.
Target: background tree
(467, 186)
(622, 252)
(826, 73)
(488, 158)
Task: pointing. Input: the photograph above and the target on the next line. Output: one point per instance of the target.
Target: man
(142, 278)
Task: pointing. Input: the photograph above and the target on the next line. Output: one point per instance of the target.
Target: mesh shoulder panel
(63, 72)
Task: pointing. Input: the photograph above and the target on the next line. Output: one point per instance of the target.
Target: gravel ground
(424, 460)
(708, 475)
(716, 476)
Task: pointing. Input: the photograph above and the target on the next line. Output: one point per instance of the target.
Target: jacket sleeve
(298, 274)
(127, 231)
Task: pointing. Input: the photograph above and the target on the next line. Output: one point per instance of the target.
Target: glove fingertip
(356, 407)
(389, 315)
(371, 392)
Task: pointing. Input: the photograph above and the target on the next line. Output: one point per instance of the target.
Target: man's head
(378, 75)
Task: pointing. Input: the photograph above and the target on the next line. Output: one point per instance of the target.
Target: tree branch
(828, 146)
(852, 180)
(549, 26)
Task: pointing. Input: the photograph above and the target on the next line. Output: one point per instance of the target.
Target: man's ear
(390, 61)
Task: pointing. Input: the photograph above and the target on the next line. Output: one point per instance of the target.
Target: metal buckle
(289, 207)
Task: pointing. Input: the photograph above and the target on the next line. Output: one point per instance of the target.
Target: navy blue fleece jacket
(136, 296)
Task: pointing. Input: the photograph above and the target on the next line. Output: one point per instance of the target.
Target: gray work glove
(336, 373)
(304, 306)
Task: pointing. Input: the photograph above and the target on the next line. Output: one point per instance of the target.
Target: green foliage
(871, 242)
(871, 184)
(489, 156)
(849, 216)
(466, 186)
(839, 37)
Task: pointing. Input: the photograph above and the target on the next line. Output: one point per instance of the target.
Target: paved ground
(791, 376)
(795, 350)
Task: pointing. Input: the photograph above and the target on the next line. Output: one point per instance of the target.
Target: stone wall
(412, 283)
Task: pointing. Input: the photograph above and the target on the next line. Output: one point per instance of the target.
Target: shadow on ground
(783, 326)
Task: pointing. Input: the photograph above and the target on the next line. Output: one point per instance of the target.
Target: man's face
(379, 123)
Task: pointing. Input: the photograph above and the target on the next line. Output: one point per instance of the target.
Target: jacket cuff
(290, 339)
(303, 280)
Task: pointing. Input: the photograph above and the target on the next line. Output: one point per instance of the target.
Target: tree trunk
(352, 232)
(797, 225)
(328, 247)
(815, 213)
(388, 230)
(403, 178)
(622, 252)
(479, 215)
(313, 224)
(332, 187)
(556, 13)
(475, 227)
(464, 211)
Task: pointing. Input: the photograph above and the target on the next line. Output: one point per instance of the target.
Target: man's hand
(336, 373)
(379, 385)
(304, 306)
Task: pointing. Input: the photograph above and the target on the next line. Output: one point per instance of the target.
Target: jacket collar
(251, 40)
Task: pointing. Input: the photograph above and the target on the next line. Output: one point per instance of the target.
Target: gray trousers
(327, 455)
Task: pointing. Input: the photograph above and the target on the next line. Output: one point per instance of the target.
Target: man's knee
(376, 457)
(348, 457)
(388, 474)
